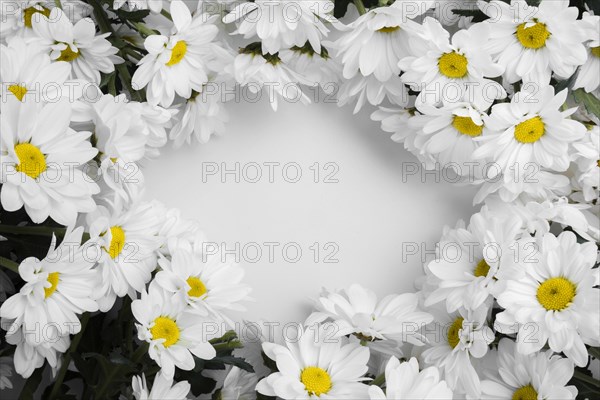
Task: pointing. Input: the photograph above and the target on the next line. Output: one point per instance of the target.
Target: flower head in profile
(558, 296)
(404, 381)
(316, 366)
(162, 388)
(175, 333)
(356, 311)
(283, 24)
(542, 375)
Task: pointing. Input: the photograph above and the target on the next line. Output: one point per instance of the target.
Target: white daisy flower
(557, 296)
(531, 42)
(129, 240)
(396, 121)
(267, 72)
(239, 385)
(588, 77)
(200, 117)
(405, 381)
(177, 64)
(88, 53)
(469, 259)
(28, 73)
(318, 68)
(178, 232)
(543, 375)
(444, 69)
(204, 282)
(162, 388)
(447, 135)
(42, 161)
(28, 357)
(6, 372)
(530, 129)
(17, 16)
(174, 332)
(356, 311)
(315, 366)
(57, 289)
(455, 340)
(283, 24)
(156, 121)
(586, 154)
(369, 89)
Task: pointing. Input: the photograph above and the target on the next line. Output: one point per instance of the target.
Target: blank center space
(308, 197)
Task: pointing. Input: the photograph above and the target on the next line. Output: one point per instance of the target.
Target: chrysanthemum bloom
(57, 289)
(204, 282)
(457, 339)
(531, 42)
(43, 162)
(128, 240)
(447, 70)
(162, 388)
(177, 64)
(404, 381)
(88, 53)
(530, 129)
(557, 302)
(542, 375)
(588, 77)
(316, 367)
(356, 311)
(283, 24)
(586, 177)
(175, 333)
(239, 384)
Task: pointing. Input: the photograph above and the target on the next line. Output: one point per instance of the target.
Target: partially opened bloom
(43, 162)
(316, 367)
(162, 388)
(404, 381)
(174, 332)
(588, 77)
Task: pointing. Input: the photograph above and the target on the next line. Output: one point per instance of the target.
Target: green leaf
(229, 360)
(591, 103)
(477, 14)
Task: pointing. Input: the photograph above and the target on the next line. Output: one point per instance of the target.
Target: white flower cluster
(505, 97)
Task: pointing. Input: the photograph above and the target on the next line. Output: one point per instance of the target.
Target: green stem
(67, 359)
(166, 14)
(378, 381)
(360, 7)
(38, 231)
(586, 378)
(234, 344)
(143, 29)
(9, 264)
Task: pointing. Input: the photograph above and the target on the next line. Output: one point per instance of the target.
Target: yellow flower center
(68, 55)
(177, 54)
(530, 131)
(482, 268)
(453, 65)
(18, 91)
(596, 51)
(453, 338)
(316, 380)
(28, 14)
(556, 293)
(117, 242)
(197, 287)
(165, 328)
(533, 37)
(31, 160)
(525, 393)
(388, 29)
(53, 279)
(466, 126)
